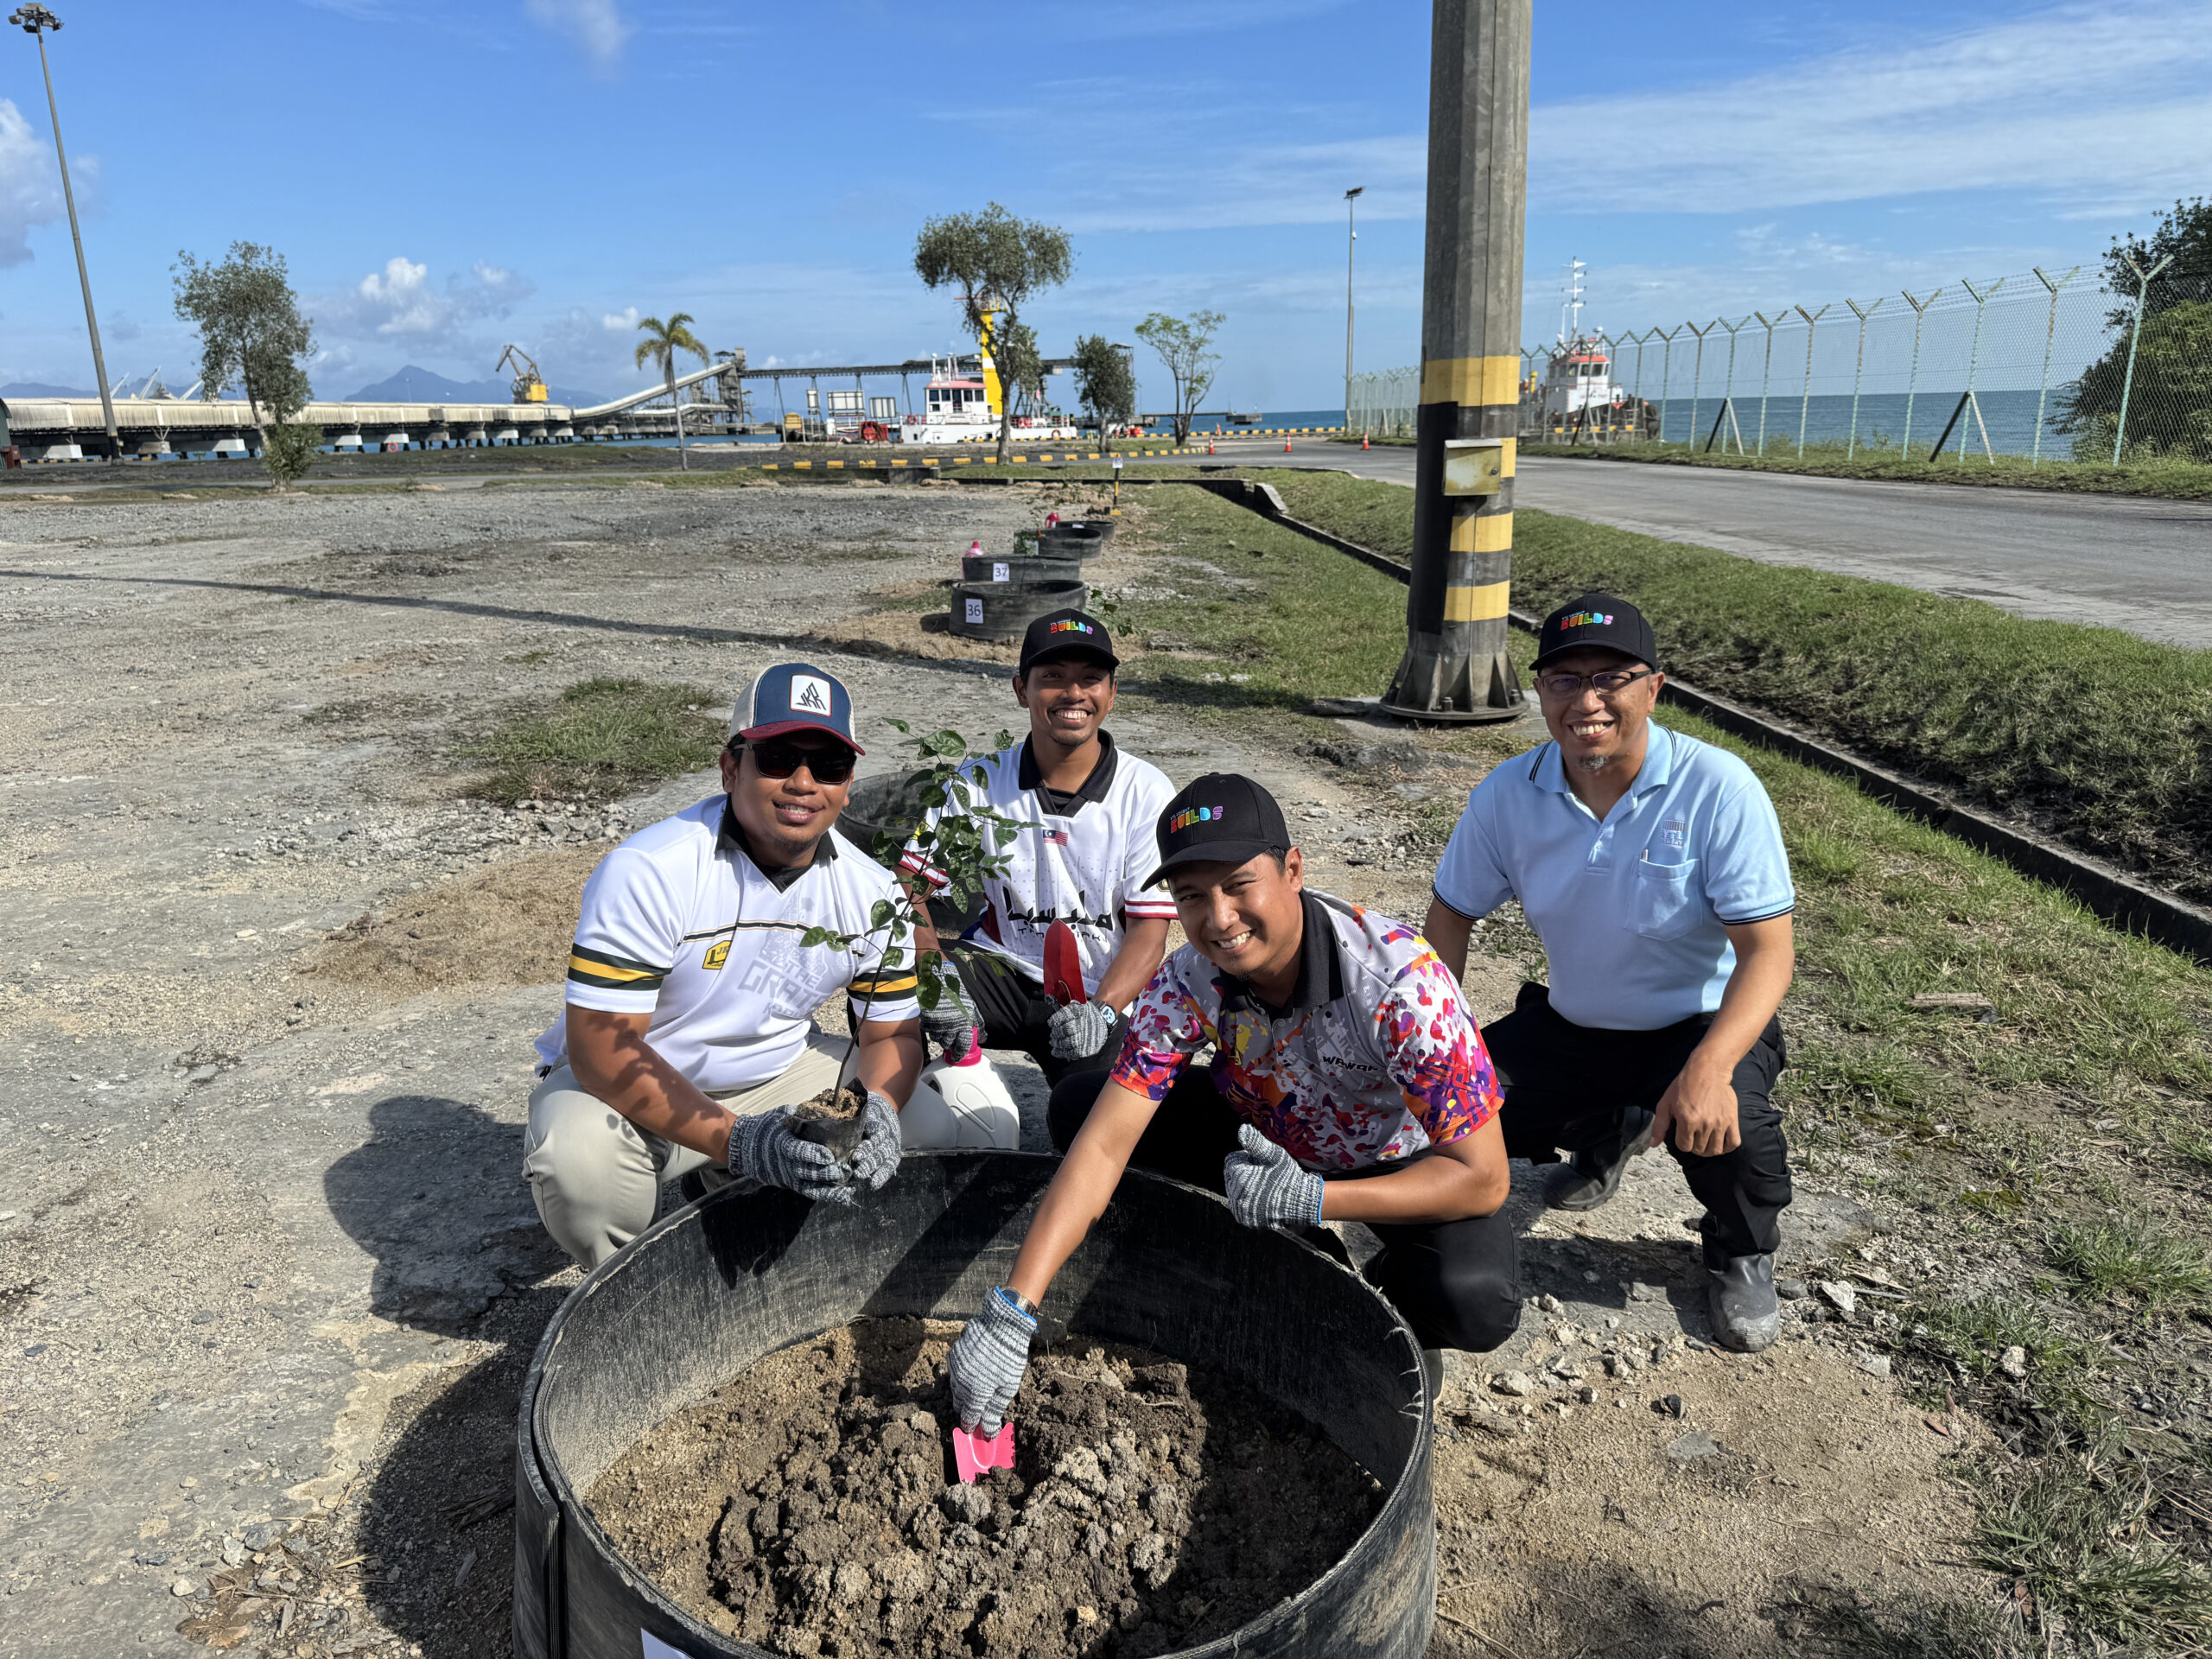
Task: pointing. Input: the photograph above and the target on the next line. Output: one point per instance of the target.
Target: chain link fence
(2047, 364)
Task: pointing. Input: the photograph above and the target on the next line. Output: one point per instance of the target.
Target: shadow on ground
(436, 1196)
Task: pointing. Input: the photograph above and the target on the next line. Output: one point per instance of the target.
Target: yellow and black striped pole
(1456, 666)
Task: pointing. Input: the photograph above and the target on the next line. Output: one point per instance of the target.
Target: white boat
(1578, 393)
(964, 408)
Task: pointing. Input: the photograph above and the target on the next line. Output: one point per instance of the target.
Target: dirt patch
(509, 925)
(809, 1507)
(1792, 1492)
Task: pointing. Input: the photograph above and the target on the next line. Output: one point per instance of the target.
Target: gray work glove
(763, 1149)
(1080, 1030)
(951, 1024)
(986, 1366)
(875, 1160)
(1266, 1185)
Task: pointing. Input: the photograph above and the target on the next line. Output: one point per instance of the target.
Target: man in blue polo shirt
(1652, 868)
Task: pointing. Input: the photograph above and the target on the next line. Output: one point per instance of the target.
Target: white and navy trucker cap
(794, 697)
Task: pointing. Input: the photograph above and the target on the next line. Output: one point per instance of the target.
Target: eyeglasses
(1604, 683)
(777, 757)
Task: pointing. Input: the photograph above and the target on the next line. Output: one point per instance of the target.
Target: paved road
(2123, 561)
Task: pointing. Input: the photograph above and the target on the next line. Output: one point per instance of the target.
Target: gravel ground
(266, 1259)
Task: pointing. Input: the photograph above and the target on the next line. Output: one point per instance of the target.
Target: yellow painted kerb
(1477, 604)
(1472, 381)
(1486, 533)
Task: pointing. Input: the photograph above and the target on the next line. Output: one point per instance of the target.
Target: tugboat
(966, 408)
(1578, 396)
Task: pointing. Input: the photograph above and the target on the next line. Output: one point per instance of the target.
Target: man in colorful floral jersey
(1348, 1083)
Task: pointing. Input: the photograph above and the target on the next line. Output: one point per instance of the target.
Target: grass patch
(2176, 479)
(2132, 1257)
(2103, 738)
(2080, 1544)
(602, 738)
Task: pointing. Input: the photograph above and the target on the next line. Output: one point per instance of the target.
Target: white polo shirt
(678, 922)
(1082, 865)
(1632, 908)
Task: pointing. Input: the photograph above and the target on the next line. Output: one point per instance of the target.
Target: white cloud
(400, 302)
(30, 188)
(595, 25)
(2111, 100)
(620, 321)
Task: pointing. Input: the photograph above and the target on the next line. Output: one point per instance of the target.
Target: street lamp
(1352, 234)
(35, 19)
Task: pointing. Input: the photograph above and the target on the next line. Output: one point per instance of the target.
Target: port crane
(529, 384)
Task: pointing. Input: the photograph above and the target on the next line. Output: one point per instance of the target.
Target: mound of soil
(809, 1507)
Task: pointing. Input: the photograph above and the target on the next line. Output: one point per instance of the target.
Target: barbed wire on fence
(2044, 364)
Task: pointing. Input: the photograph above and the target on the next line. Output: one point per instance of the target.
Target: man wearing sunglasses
(689, 1028)
(1652, 868)
(1085, 811)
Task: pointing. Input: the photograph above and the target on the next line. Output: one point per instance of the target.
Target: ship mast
(1570, 309)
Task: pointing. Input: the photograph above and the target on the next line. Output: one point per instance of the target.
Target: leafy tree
(1105, 382)
(997, 262)
(251, 334)
(2170, 406)
(2184, 236)
(1182, 345)
(662, 342)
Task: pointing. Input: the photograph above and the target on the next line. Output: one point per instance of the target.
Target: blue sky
(443, 179)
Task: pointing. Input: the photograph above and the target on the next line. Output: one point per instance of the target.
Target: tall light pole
(1351, 245)
(35, 19)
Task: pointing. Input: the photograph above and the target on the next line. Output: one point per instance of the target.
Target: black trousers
(1456, 1282)
(1016, 1013)
(1567, 1088)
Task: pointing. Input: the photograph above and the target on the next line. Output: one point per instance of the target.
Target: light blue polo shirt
(1631, 909)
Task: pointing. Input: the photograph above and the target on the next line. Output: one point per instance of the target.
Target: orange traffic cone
(1286, 446)
(1209, 446)
(1363, 443)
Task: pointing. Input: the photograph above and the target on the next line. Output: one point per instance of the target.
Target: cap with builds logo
(1599, 621)
(794, 697)
(1067, 634)
(1222, 818)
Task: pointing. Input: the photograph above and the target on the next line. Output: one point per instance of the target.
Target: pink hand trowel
(976, 1454)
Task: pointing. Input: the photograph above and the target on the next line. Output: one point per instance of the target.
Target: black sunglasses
(778, 757)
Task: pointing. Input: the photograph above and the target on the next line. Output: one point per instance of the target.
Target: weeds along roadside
(2097, 737)
(2019, 1089)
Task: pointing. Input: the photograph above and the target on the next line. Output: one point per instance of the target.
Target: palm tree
(662, 342)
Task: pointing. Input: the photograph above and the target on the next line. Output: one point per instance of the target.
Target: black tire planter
(981, 567)
(1002, 610)
(1074, 541)
(722, 1284)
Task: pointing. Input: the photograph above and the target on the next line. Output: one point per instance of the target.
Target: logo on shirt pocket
(1669, 902)
(716, 955)
(1674, 833)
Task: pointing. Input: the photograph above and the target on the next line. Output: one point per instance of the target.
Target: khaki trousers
(597, 1177)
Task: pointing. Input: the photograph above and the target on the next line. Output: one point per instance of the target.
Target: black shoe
(1740, 1296)
(1597, 1174)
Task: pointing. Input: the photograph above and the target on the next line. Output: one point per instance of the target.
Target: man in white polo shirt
(689, 1028)
(1085, 810)
(1652, 868)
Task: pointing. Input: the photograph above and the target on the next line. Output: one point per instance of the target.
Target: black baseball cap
(1221, 818)
(1596, 620)
(1067, 634)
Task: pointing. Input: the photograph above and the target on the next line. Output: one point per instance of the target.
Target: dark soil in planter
(809, 1506)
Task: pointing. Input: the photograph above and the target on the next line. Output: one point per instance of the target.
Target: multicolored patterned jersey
(1375, 1059)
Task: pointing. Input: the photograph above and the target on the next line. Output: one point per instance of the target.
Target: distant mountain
(40, 389)
(417, 385)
